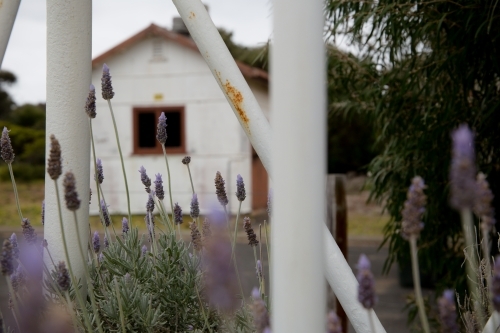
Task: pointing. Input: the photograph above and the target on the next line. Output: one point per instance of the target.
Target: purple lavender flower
(90, 102)
(186, 160)
(150, 204)
(125, 226)
(54, 165)
(195, 236)
(206, 229)
(220, 189)
(15, 245)
(482, 204)
(447, 312)
(145, 179)
(144, 250)
(333, 324)
(251, 236)
(28, 232)
(495, 285)
(63, 280)
(414, 208)
(105, 213)
(106, 86)
(260, 313)
(366, 288)
(220, 277)
(99, 171)
(195, 207)
(96, 242)
(18, 279)
(259, 270)
(101, 257)
(70, 194)
(43, 212)
(106, 242)
(6, 150)
(463, 169)
(240, 188)
(177, 214)
(161, 133)
(7, 260)
(159, 187)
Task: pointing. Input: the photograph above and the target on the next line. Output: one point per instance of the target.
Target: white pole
(69, 37)
(8, 12)
(298, 117)
(228, 76)
(202, 29)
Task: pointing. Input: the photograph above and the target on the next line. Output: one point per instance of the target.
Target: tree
(439, 67)
(6, 102)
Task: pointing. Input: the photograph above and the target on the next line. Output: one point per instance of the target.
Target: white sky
(114, 21)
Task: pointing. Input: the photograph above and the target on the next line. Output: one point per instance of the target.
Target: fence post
(69, 46)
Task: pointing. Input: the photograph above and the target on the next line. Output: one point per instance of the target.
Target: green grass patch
(366, 224)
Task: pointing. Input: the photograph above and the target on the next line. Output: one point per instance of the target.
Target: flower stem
(121, 159)
(70, 309)
(190, 178)
(73, 278)
(122, 317)
(95, 174)
(486, 254)
(235, 264)
(169, 182)
(233, 252)
(472, 263)
(416, 284)
(372, 324)
(15, 191)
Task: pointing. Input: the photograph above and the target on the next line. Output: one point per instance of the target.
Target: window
(145, 124)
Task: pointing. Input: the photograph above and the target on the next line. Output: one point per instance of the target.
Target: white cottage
(156, 71)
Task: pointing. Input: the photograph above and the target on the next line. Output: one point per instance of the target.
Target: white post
(298, 117)
(228, 76)
(69, 37)
(8, 12)
(212, 48)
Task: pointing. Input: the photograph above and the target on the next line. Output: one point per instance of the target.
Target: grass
(361, 222)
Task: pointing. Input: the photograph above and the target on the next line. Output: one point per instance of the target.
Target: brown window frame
(157, 150)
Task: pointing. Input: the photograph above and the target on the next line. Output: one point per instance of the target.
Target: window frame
(157, 150)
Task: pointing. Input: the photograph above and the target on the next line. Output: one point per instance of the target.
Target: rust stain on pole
(236, 98)
(192, 15)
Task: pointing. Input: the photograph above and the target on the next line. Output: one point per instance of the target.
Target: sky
(113, 21)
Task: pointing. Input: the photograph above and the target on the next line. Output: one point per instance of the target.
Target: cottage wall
(157, 72)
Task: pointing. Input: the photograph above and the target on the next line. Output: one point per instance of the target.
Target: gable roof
(248, 72)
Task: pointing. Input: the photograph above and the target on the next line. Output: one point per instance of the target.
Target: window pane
(174, 129)
(147, 130)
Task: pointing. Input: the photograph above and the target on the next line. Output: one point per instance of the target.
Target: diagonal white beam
(214, 51)
(8, 12)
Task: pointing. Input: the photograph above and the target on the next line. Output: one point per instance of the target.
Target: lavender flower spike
(28, 232)
(106, 86)
(70, 194)
(186, 160)
(161, 132)
(195, 236)
(99, 172)
(150, 204)
(366, 288)
(260, 313)
(159, 187)
(240, 188)
(414, 208)
(463, 169)
(447, 312)
(482, 205)
(251, 236)
(63, 280)
(144, 250)
(146, 181)
(195, 207)
(15, 245)
(495, 285)
(105, 213)
(333, 324)
(90, 103)
(220, 189)
(106, 242)
(54, 165)
(177, 214)
(43, 212)
(7, 260)
(125, 226)
(96, 243)
(6, 150)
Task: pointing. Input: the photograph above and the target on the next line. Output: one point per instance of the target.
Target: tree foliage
(438, 67)
(6, 102)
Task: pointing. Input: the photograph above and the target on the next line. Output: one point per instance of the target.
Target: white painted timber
(298, 113)
(337, 271)
(8, 12)
(69, 47)
(492, 324)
